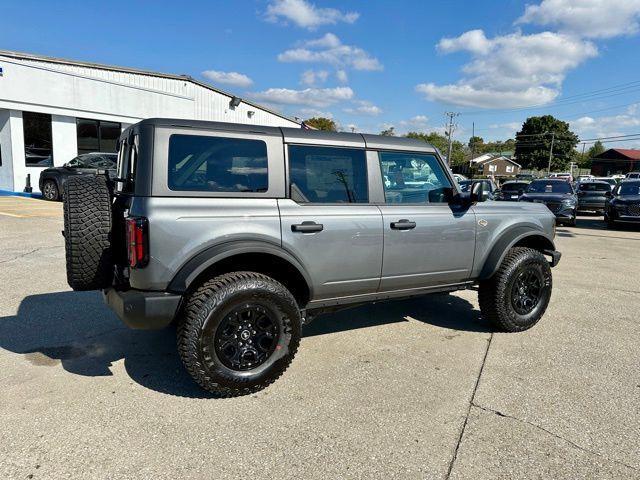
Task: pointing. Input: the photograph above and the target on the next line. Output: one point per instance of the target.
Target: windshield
(595, 187)
(543, 186)
(630, 188)
(514, 187)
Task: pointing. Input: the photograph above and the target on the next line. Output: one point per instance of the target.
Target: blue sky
(371, 64)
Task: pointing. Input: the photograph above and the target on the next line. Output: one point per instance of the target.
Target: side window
(217, 164)
(328, 175)
(413, 178)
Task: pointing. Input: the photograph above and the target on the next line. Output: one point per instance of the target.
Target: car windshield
(543, 186)
(514, 187)
(630, 188)
(595, 187)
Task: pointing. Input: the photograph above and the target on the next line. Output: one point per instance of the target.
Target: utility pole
(451, 116)
(473, 144)
(553, 137)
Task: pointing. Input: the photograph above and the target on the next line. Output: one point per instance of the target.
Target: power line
(611, 91)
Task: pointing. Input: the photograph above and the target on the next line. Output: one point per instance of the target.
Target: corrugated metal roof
(113, 68)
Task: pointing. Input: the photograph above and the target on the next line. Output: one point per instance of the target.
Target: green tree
(322, 123)
(389, 132)
(476, 144)
(596, 149)
(533, 143)
(458, 151)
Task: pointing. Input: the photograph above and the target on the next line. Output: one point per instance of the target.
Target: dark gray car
(240, 233)
(593, 196)
(52, 179)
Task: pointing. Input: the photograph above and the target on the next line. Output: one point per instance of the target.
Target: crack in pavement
(22, 255)
(471, 403)
(555, 435)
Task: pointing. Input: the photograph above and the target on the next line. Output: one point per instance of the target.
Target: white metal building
(53, 109)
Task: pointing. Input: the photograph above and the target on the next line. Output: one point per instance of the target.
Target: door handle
(307, 227)
(403, 224)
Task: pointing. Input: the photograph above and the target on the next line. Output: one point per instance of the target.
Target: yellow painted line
(12, 215)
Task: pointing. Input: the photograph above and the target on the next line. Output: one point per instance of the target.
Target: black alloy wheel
(526, 290)
(50, 190)
(246, 337)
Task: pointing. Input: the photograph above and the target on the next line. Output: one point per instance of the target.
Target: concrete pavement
(409, 389)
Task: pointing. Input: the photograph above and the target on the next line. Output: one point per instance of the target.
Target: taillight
(138, 241)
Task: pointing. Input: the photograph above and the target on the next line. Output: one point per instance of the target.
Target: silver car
(239, 234)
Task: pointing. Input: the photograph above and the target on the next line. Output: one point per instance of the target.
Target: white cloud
(510, 70)
(306, 15)
(511, 126)
(608, 125)
(363, 107)
(311, 97)
(314, 77)
(473, 41)
(234, 79)
(330, 50)
(314, 112)
(586, 18)
(419, 122)
(342, 76)
(328, 40)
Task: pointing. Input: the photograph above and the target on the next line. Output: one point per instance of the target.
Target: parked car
(488, 187)
(239, 233)
(52, 179)
(610, 180)
(624, 207)
(585, 178)
(593, 196)
(526, 177)
(632, 175)
(557, 195)
(511, 191)
(566, 176)
(458, 177)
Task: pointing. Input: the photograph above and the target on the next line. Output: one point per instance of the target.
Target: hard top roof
(296, 135)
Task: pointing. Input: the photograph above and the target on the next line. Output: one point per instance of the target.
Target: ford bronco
(239, 234)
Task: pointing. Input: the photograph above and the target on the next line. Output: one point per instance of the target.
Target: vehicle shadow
(440, 310)
(76, 330)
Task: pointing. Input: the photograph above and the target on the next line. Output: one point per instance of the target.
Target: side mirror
(478, 192)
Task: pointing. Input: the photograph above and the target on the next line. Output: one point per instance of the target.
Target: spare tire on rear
(87, 232)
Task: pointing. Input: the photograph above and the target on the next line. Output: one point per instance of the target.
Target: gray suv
(239, 234)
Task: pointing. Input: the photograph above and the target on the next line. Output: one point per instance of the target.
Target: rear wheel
(50, 190)
(239, 333)
(517, 295)
(87, 232)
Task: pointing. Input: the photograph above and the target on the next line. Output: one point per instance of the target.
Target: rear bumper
(141, 309)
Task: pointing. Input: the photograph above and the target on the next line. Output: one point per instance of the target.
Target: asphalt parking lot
(409, 389)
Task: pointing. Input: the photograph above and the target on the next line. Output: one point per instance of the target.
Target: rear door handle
(403, 224)
(307, 227)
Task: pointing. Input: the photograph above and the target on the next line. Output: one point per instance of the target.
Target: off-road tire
(495, 294)
(52, 193)
(87, 232)
(202, 314)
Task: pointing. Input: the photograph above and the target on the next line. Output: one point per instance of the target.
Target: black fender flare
(507, 240)
(214, 254)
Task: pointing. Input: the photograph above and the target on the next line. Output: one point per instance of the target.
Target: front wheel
(239, 333)
(517, 295)
(50, 190)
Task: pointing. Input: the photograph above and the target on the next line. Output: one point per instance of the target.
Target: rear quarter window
(217, 164)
